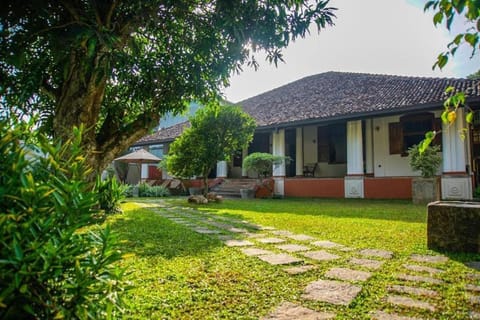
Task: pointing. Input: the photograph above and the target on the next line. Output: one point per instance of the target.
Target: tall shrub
(50, 266)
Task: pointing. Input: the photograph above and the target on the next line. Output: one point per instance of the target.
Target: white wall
(385, 164)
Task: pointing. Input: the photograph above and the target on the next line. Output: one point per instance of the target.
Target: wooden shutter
(395, 137)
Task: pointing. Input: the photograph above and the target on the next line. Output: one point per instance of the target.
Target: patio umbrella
(140, 156)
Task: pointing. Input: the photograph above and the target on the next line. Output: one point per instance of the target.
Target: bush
(262, 163)
(50, 267)
(426, 162)
(110, 193)
(146, 190)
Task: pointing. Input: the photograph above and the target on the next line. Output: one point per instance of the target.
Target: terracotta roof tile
(164, 135)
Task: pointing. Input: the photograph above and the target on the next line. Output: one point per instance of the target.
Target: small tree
(262, 163)
(427, 162)
(216, 133)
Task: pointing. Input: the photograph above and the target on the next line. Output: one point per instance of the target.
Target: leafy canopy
(117, 66)
(216, 133)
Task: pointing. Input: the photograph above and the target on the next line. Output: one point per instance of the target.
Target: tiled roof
(333, 95)
(164, 135)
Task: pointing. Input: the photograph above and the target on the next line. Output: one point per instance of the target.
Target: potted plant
(426, 188)
(262, 164)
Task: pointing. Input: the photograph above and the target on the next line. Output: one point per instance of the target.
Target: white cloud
(370, 36)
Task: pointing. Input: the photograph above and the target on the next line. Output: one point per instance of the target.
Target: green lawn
(178, 274)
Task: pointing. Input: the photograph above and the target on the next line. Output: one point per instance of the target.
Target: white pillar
(144, 172)
(369, 146)
(299, 152)
(222, 169)
(354, 178)
(244, 155)
(456, 183)
(279, 169)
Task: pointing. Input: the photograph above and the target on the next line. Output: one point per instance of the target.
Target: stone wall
(454, 226)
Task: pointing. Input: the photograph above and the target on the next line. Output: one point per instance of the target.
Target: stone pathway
(414, 289)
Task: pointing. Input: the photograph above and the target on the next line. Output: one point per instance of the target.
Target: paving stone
(413, 290)
(367, 263)
(219, 225)
(282, 233)
(327, 244)
(206, 231)
(299, 269)
(291, 311)
(417, 268)
(237, 230)
(292, 247)
(408, 277)
(238, 243)
(428, 258)
(473, 265)
(266, 228)
(473, 276)
(300, 237)
(474, 299)
(224, 237)
(381, 315)
(331, 291)
(270, 240)
(472, 287)
(348, 274)
(474, 315)
(255, 251)
(410, 303)
(281, 258)
(376, 253)
(254, 235)
(320, 255)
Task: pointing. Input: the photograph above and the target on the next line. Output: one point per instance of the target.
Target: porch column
(244, 155)
(369, 147)
(222, 169)
(354, 178)
(456, 182)
(299, 152)
(143, 172)
(278, 148)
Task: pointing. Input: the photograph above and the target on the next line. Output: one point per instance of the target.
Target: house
(355, 130)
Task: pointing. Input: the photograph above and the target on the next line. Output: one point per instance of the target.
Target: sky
(369, 36)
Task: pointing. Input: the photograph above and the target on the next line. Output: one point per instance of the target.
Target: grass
(178, 274)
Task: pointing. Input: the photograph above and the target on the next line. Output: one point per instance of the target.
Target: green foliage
(474, 76)
(49, 267)
(118, 66)
(146, 190)
(446, 12)
(216, 133)
(110, 193)
(427, 162)
(262, 163)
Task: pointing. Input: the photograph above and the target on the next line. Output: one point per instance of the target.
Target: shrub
(262, 163)
(146, 190)
(110, 193)
(50, 267)
(426, 162)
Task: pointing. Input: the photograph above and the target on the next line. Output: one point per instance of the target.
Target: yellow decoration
(452, 115)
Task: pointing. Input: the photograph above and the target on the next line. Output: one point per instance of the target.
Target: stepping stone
(473, 276)
(238, 243)
(335, 292)
(474, 299)
(291, 311)
(348, 274)
(428, 258)
(377, 253)
(327, 244)
(255, 235)
(407, 277)
(472, 287)
(367, 263)
(417, 268)
(299, 269)
(300, 237)
(281, 258)
(380, 315)
(270, 240)
(237, 230)
(224, 237)
(267, 228)
(282, 233)
(413, 290)
(410, 303)
(474, 315)
(219, 225)
(206, 231)
(255, 251)
(292, 247)
(320, 255)
(473, 265)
